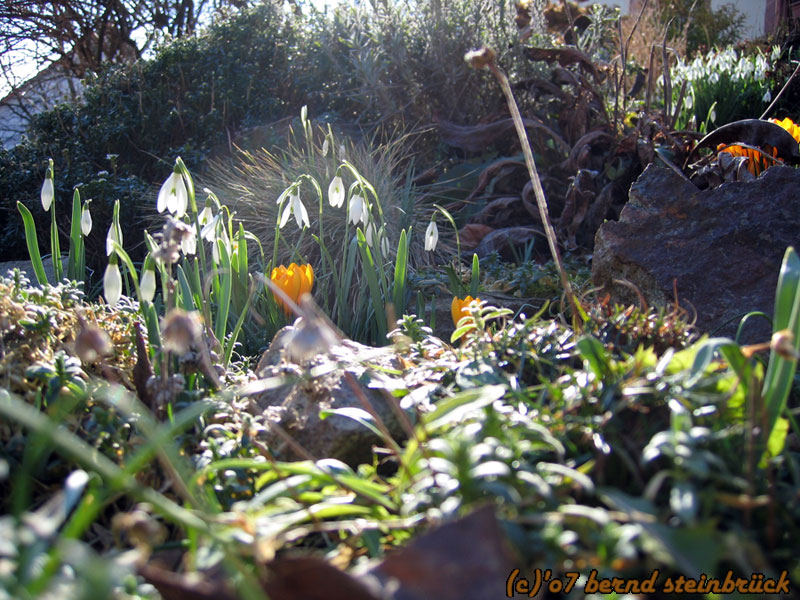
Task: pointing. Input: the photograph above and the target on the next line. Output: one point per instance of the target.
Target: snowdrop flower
(767, 96)
(86, 220)
(112, 283)
(336, 192)
(147, 286)
(189, 242)
(384, 240)
(370, 233)
(173, 195)
(431, 236)
(295, 205)
(209, 230)
(113, 235)
(215, 247)
(205, 216)
(48, 191)
(358, 210)
(326, 146)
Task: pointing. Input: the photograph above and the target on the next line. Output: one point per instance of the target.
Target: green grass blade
(33, 243)
(370, 272)
(400, 275)
(781, 369)
(476, 276)
(224, 298)
(187, 300)
(81, 453)
(55, 246)
(76, 251)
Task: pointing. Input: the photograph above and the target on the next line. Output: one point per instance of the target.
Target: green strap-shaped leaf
(33, 243)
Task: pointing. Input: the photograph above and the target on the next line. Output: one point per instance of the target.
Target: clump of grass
(253, 180)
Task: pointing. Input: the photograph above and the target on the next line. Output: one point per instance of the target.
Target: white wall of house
(753, 11)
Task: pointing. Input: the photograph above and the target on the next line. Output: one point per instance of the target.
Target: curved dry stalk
(486, 58)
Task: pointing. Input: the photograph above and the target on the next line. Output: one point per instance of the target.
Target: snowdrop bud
(370, 233)
(336, 192)
(113, 235)
(325, 147)
(147, 286)
(112, 284)
(431, 236)
(86, 220)
(48, 192)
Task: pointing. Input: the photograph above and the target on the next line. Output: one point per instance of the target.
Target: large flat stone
(723, 246)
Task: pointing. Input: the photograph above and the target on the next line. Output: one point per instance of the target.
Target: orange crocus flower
(294, 281)
(459, 310)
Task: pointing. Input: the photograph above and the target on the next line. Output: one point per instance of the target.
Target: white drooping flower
(767, 97)
(48, 192)
(189, 242)
(147, 286)
(209, 230)
(112, 284)
(205, 216)
(325, 147)
(431, 236)
(113, 235)
(299, 210)
(86, 220)
(294, 206)
(358, 210)
(173, 196)
(336, 192)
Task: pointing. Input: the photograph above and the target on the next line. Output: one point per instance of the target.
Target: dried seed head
(479, 59)
(181, 330)
(783, 344)
(91, 343)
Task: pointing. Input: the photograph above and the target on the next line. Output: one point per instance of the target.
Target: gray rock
(26, 267)
(343, 378)
(723, 247)
(510, 243)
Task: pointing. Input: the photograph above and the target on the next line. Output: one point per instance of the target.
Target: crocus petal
(48, 193)
(431, 236)
(460, 308)
(86, 221)
(147, 286)
(336, 192)
(112, 284)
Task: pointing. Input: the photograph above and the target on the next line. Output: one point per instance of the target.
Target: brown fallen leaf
(467, 559)
(189, 586)
(310, 578)
(476, 138)
(472, 234)
(564, 57)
